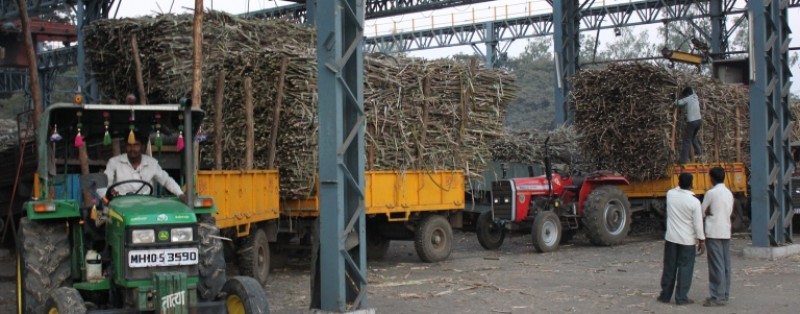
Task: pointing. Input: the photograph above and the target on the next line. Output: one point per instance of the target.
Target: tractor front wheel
(490, 235)
(65, 300)
(433, 239)
(43, 264)
(607, 216)
(254, 257)
(212, 259)
(244, 295)
(546, 231)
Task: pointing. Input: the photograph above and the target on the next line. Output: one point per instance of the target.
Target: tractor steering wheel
(144, 184)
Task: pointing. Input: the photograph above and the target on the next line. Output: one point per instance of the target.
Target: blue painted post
(566, 25)
(340, 30)
(490, 36)
(718, 33)
(771, 165)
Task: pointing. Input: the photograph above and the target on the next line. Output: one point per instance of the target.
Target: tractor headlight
(182, 234)
(507, 200)
(496, 200)
(143, 236)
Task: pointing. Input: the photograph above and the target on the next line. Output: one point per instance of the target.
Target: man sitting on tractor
(133, 165)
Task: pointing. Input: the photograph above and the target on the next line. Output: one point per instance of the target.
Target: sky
(460, 15)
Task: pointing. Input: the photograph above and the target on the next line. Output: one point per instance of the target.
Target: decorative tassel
(131, 138)
(55, 137)
(158, 140)
(200, 136)
(107, 139)
(79, 139)
(180, 141)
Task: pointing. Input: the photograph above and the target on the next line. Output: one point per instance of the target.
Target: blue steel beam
(57, 59)
(340, 64)
(592, 18)
(9, 10)
(770, 123)
(374, 8)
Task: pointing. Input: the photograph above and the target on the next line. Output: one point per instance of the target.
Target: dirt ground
(578, 278)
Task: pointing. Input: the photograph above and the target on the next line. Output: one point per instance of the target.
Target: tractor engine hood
(535, 184)
(137, 210)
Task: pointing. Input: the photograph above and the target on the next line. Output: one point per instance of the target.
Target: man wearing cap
(684, 229)
(133, 165)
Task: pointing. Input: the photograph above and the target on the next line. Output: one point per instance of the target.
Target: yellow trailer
(651, 195)
(422, 206)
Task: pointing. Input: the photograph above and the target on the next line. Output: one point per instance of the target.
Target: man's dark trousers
(719, 269)
(678, 262)
(690, 140)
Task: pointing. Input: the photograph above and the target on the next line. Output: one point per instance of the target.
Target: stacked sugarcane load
(627, 122)
(528, 147)
(430, 115)
(794, 107)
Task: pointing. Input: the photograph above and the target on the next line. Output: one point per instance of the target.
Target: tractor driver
(133, 165)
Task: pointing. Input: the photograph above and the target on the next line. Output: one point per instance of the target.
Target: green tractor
(78, 252)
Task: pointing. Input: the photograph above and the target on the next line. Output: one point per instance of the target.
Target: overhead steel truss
(13, 79)
(9, 10)
(374, 8)
(591, 18)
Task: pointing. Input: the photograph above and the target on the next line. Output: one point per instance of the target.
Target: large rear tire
(490, 235)
(377, 245)
(607, 216)
(546, 232)
(244, 295)
(433, 239)
(254, 257)
(43, 262)
(65, 300)
(212, 259)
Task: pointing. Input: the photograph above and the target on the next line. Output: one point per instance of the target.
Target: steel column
(771, 163)
(311, 12)
(340, 29)
(490, 37)
(566, 28)
(718, 32)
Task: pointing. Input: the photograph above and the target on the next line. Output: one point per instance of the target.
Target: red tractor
(554, 207)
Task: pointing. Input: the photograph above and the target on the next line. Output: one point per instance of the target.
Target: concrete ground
(578, 278)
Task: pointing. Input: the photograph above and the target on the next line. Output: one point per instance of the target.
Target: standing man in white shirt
(717, 207)
(684, 229)
(133, 165)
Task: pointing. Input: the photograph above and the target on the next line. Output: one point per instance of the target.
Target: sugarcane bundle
(420, 114)
(528, 147)
(628, 123)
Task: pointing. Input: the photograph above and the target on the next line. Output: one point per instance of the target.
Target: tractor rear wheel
(490, 235)
(65, 300)
(212, 259)
(546, 231)
(254, 257)
(433, 239)
(607, 216)
(377, 245)
(245, 295)
(43, 264)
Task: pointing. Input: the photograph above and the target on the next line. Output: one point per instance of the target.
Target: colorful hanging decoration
(158, 140)
(200, 136)
(180, 145)
(106, 136)
(78, 137)
(131, 136)
(55, 137)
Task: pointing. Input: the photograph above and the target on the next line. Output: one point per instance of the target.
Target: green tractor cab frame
(144, 253)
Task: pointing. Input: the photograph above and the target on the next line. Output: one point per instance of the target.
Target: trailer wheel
(212, 259)
(65, 300)
(43, 263)
(490, 235)
(737, 217)
(607, 216)
(254, 257)
(433, 239)
(377, 245)
(546, 231)
(245, 295)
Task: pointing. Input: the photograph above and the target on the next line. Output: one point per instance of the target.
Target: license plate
(162, 257)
